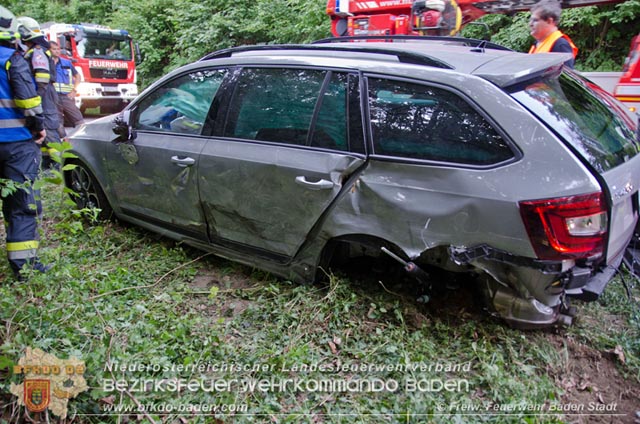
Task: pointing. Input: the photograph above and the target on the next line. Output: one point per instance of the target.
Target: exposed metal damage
(299, 156)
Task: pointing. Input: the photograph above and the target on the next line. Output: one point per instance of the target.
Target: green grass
(126, 296)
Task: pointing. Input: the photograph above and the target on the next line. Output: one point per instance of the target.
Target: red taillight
(566, 227)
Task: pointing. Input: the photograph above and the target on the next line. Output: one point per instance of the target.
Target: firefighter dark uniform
(20, 117)
(44, 72)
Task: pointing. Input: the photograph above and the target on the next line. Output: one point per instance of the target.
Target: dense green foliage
(172, 33)
(602, 33)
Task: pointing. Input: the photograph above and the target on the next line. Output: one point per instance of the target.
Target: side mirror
(122, 127)
(138, 58)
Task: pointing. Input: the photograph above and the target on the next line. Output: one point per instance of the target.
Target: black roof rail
(470, 42)
(402, 56)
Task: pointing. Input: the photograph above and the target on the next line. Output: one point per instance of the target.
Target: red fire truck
(628, 88)
(106, 61)
(446, 18)
(422, 17)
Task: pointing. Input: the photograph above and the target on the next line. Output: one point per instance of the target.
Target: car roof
(492, 62)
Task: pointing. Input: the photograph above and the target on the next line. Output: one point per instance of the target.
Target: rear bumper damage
(594, 287)
(529, 293)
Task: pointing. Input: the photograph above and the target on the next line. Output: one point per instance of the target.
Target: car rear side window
(181, 106)
(339, 116)
(583, 118)
(305, 107)
(423, 122)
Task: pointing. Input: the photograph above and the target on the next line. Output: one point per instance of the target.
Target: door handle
(317, 185)
(182, 162)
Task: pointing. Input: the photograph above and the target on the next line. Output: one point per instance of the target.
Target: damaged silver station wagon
(447, 153)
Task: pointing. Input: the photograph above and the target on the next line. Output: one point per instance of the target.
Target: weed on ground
(175, 335)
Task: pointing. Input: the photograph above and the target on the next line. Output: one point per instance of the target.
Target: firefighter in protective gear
(21, 132)
(43, 68)
(28, 28)
(67, 79)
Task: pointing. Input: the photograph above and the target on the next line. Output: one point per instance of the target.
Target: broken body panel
(278, 207)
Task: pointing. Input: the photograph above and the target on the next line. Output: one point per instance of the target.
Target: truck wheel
(87, 193)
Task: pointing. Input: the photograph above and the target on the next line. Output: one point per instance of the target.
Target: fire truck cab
(106, 61)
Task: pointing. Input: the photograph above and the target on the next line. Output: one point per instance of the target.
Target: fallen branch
(148, 286)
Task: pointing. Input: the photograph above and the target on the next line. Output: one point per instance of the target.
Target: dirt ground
(592, 377)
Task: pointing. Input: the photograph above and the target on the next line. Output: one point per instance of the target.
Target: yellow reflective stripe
(42, 77)
(22, 245)
(9, 35)
(64, 88)
(29, 103)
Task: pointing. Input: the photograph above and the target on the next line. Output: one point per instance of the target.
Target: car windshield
(589, 119)
(104, 48)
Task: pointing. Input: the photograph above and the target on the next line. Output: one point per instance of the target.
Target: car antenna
(480, 47)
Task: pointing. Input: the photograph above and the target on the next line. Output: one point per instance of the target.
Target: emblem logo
(624, 191)
(48, 382)
(37, 394)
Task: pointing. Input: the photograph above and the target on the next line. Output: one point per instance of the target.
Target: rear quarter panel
(419, 205)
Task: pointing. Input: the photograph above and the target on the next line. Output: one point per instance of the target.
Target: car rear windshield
(585, 116)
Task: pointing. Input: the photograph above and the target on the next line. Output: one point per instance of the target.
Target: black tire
(87, 192)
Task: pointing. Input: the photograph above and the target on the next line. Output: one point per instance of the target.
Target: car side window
(279, 105)
(423, 122)
(181, 106)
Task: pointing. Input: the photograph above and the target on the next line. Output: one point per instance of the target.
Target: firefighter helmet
(28, 28)
(7, 20)
(7, 25)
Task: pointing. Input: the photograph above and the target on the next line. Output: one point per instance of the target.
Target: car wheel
(87, 192)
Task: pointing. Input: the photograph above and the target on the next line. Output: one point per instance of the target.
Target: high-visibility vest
(546, 45)
(64, 76)
(12, 120)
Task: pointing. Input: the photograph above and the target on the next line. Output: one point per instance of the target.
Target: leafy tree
(72, 11)
(173, 33)
(602, 33)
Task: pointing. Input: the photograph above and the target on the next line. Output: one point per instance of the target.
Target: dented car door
(291, 139)
(154, 176)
